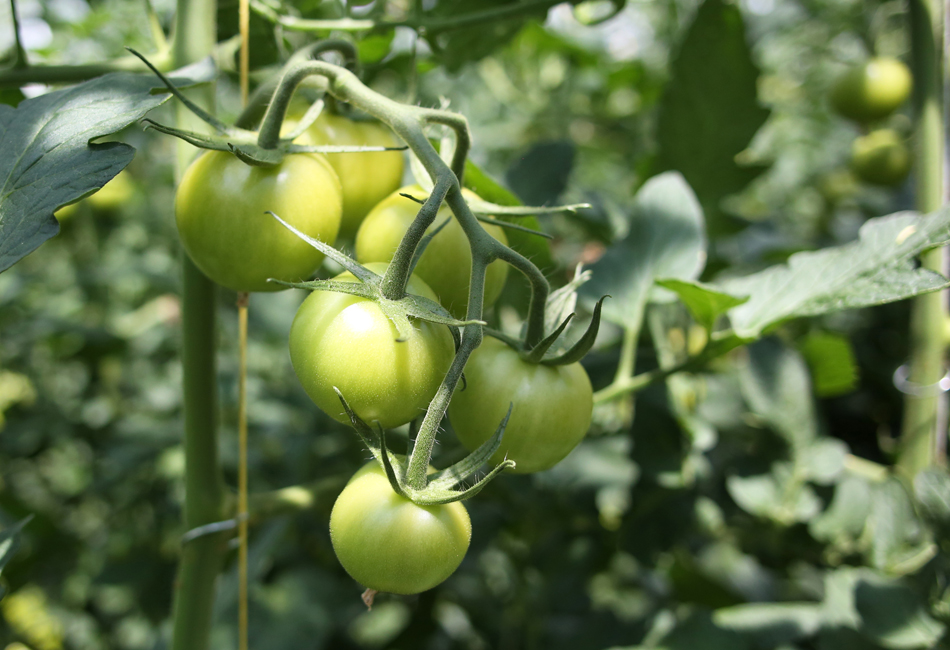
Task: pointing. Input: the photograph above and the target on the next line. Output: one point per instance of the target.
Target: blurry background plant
(746, 506)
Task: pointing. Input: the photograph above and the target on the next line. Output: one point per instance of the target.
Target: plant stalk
(202, 558)
(921, 431)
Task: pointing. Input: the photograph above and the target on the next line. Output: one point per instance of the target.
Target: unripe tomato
(346, 341)
(367, 178)
(880, 157)
(872, 90)
(551, 406)
(388, 543)
(446, 264)
(220, 211)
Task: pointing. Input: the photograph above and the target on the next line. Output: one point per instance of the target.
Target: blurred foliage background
(745, 506)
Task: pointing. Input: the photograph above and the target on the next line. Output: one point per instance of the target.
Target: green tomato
(220, 211)
(551, 406)
(880, 157)
(345, 341)
(446, 264)
(388, 543)
(367, 178)
(872, 91)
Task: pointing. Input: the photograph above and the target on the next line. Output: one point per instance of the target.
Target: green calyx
(260, 149)
(538, 353)
(445, 486)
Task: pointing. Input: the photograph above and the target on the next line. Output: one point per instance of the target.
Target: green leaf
(700, 631)
(843, 521)
(458, 46)
(830, 357)
(535, 248)
(896, 535)
(49, 159)
(877, 268)
(778, 496)
(704, 302)
(666, 240)
(375, 47)
(709, 111)
(932, 489)
(895, 616)
(771, 624)
(777, 387)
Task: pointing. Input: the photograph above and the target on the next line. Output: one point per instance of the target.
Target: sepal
(362, 273)
(584, 344)
(453, 476)
(536, 354)
(484, 207)
(511, 226)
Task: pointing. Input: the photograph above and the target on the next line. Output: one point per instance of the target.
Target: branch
(432, 25)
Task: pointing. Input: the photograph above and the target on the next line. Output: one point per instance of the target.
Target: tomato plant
(551, 406)
(881, 157)
(366, 177)
(872, 90)
(220, 209)
(345, 341)
(446, 263)
(388, 543)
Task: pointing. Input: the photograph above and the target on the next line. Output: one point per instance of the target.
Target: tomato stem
(924, 429)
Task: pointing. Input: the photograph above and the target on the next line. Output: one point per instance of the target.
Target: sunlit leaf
(666, 240)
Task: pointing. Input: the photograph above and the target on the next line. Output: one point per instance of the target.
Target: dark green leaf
(539, 176)
(897, 541)
(48, 156)
(776, 384)
(710, 111)
(894, 616)
(771, 624)
(843, 521)
(932, 489)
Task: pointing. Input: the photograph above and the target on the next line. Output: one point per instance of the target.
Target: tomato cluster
(369, 357)
(868, 93)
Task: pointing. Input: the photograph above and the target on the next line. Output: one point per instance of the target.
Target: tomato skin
(446, 264)
(881, 157)
(366, 178)
(346, 341)
(551, 411)
(220, 211)
(872, 90)
(388, 543)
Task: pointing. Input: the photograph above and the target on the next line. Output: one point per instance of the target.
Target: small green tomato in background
(388, 543)
(220, 209)
(446, 264)
(873, 90)
(367, 178)
(551, 406)
(345, 341)
(881, 158)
